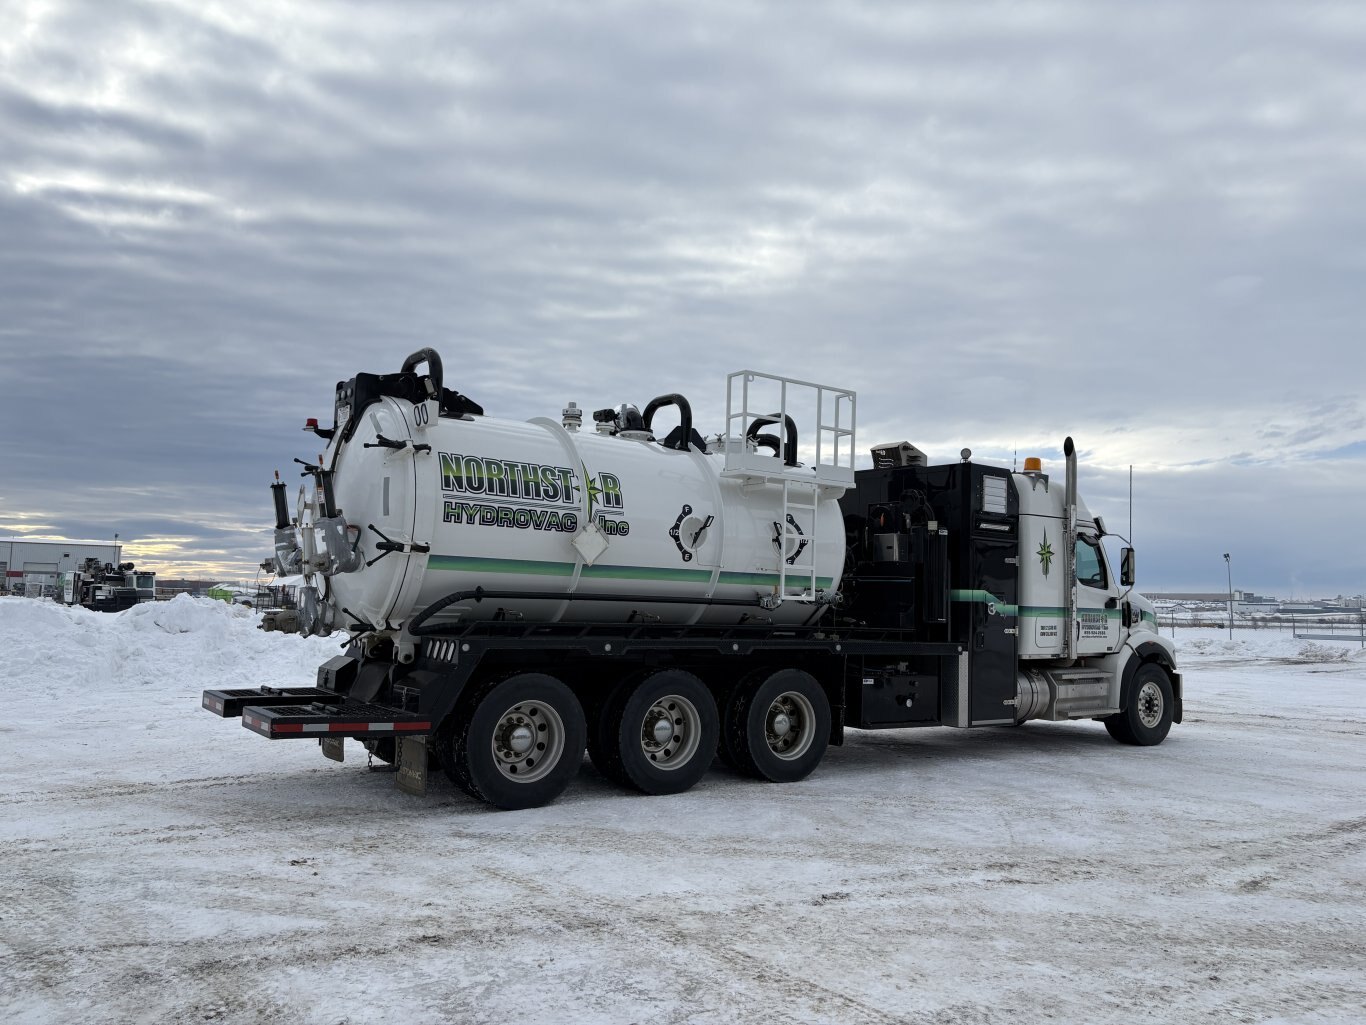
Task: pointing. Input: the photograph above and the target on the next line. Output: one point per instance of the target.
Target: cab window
(1090, 565)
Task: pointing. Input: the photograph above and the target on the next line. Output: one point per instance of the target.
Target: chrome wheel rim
(670, 732)
(788, 725)
(1150, 705)
(528, 741)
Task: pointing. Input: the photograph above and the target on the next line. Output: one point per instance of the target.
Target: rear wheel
(777, 725)
(602, 745)
(1148, 718)
(659, 735)
(517, 742)
(726, 702)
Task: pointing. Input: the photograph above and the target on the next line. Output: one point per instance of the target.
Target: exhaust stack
(1069, 550)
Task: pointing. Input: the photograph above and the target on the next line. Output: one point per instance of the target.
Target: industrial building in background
(87, 573)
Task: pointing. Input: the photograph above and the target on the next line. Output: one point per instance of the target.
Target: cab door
(1098, 613)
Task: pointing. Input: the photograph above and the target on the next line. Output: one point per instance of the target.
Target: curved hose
(769, 442)
(684, 415)
(433, 361)
(789, 426)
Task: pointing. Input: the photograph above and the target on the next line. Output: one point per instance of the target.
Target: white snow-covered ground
(163, 865)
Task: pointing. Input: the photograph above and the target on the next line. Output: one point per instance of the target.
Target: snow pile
(1264, 645)
(1315, 652)
(184, 614)
(53, 646)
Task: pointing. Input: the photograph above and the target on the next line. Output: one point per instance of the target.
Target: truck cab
(1009, 566)
(1097, 627)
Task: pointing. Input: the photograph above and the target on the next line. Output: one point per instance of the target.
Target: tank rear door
(375, 486)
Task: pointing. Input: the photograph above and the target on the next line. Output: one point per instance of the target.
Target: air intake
(901, 454)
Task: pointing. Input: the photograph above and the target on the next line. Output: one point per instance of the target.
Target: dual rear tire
(517, 742)
(659, 734)
(656, 734)
(776, 725)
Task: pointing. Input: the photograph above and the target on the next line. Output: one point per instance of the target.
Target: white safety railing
(814, 426)
(753, 396)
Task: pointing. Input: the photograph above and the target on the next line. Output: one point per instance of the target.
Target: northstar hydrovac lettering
(527, 489)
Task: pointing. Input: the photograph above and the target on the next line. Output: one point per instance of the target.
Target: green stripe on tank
(602, 571)
(472, 564)
(766, 579)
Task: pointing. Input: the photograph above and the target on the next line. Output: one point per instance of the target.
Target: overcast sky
(1141, 224)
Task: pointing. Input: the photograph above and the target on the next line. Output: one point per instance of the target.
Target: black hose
(329, 497)
(433, 361)
(789, 427)
(277, 492)
(684, 415)
(418, 628)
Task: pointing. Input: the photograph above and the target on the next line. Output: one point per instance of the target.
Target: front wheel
(1148, 719)
(517, 742)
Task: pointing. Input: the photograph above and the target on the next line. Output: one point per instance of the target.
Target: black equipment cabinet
(934, 552)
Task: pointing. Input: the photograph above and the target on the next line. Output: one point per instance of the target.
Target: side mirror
(1126, 567)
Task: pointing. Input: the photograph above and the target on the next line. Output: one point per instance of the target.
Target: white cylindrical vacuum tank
(504, 505)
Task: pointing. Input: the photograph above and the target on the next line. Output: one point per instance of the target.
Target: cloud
(1000, 223)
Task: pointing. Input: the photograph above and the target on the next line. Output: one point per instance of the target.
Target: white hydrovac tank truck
(419, 497)
(518, 593)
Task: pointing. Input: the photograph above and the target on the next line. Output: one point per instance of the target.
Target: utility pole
(1228, 564)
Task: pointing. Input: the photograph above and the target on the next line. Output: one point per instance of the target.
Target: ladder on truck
(796, 538)
(818, 467)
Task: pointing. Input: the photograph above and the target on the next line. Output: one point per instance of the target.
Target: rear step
(349, 719)
(229, 703)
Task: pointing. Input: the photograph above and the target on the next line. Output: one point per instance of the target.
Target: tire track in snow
(124, 789)
(1277, 723)
(830, 1004)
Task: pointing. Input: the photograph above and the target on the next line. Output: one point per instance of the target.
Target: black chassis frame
(373, 693)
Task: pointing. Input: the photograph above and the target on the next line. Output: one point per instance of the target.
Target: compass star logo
(593, 491)
(1045, 554)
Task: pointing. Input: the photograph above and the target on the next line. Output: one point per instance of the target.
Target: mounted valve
(625, 422)
(340, 541)
(288, 556)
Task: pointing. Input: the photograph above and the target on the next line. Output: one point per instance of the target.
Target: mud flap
(412, 765)
(333, 747)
